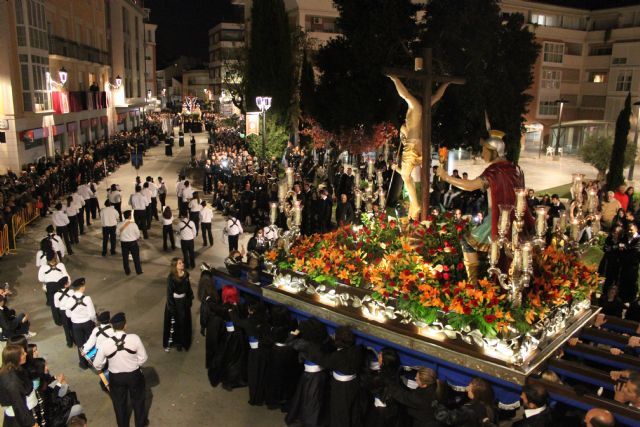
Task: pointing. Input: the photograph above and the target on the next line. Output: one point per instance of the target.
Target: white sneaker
(130, 257)
(167, 349)
(31, 334)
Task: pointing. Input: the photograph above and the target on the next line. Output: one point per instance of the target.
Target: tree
(496, 58)
(615, 178)
(353, 92)
(233, 78)
(597, 152)
(277, 137)
(270, 62)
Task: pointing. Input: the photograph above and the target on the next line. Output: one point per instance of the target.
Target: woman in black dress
(177, 311)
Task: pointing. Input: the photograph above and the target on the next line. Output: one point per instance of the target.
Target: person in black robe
(308, 405)
(629, 265)
(344, 364)
(611, 304)
(192, 142)
(283, 369)
(234, 352)
(478, 411)
(418, 402)
(212, 327)
(610, 264)
(177, 312)
(255, 328)
(381, 373)
(168, 147)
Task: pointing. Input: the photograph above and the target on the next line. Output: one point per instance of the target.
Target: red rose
(445, 308)
(392, 224)
(467, 310)
(445, 267)
(460, 266)
(489, 318)
(447, 244)
(458, 228)
(406, 271)
(405, 297)
(445, 276)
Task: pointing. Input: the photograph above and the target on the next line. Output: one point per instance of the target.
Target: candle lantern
(370, 168)
(358, 199)
(505, 219)
(273, 212)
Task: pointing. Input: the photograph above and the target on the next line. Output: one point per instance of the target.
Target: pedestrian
(16, 388)
(82, 314)
(179, 189)
(177, 311)
(57, 244)
(162, 192)
(125, 354)
(192, 142)
(109, 219)
(102, 332)
(167, 229)
(61, 222)
(233, 230)
(146, 192)
(154, 198)
(115, 197)
(74, 216)
(78, 202)
(60, 299)
(129, 236)
(206, 216)
(194, 209)
(50, 274)
(188, 232)
(138, 203)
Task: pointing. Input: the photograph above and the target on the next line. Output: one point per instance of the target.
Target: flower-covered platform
(406, 281)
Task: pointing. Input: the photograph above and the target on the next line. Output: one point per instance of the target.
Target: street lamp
(264, 103)
(635, 142)
(63, 75)
(560, 102)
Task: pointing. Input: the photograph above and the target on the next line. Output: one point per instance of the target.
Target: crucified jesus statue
(411, 138)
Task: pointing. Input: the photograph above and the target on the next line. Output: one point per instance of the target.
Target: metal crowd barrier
(4, 240)
(19, 223)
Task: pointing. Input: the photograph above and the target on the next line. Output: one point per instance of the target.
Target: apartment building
(589, 58)
(150, 78)
(58, 83)
(226, 40)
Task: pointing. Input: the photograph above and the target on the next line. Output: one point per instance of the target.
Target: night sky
(183, 26)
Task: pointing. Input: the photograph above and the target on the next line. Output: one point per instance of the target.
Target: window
(551, 79)
(553, 52)
(548, 108)
(545, 20)
(597, 77)
(599, 50)
(619, 61)
(623, 82)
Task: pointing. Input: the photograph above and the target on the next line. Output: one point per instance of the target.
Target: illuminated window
(597, 77)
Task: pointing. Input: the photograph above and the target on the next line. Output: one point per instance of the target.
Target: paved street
(182, 395)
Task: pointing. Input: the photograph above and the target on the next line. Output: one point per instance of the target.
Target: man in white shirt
(109, 218)
(188, 232)
(162, 192)
(79, 203)
(125, 354)
(61, 222)
(179, 188)
(56, 242)
(115, 197)
(60, 298)
(206, 216)
(234, 230)
(129, 235)
(138, 203)
(82, 314)
(146, 192)
(85, 192)
(154, 198)
(102, 332)
(187, 194)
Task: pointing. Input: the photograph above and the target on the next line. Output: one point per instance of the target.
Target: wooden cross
(428, 78)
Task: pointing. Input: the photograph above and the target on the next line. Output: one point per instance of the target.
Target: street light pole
(561, 102)
(264, 103)
(635, 143)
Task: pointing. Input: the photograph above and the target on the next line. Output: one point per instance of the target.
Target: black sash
(64, 293)
(120, 346)
(186, 224)
(79, 301)
(101, 331)
(52, 269)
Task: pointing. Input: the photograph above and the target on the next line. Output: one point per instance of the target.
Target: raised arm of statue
(405, 94)
(463, 184)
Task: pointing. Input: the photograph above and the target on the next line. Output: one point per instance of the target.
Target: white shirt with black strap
(125, 353)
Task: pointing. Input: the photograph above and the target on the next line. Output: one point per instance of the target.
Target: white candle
(358, 200)
(273, 212)
(575, 230)
(356, 179)
(370, 168)
(517, 259)
(289, 172)
(381, 198)
(541, 219)
(526, 256)
(379, 178)
(562, 221)
(504, 221)
(495, 253)
(521, 201)
(297, 214)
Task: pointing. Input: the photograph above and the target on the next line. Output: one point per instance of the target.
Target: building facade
(150, 77)
(57, 84)
(226, 41)
(590, 59)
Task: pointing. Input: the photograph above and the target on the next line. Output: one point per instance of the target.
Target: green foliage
(270, 60)
(277, 137)
(496, 58)
(615, 177)
(597, 152)
(353, 91)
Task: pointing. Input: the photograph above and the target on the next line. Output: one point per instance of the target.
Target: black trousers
(81, 333)
(118, 207)
(52, 288)
(206, 229)
(195, 217)
(131, 248)
(167, 232)
(140, 218)
(80, 219)
(233, 242)
(93, 203)
(73, 228)
(154, 208)
(109, 234)
(64, 232)
(87, 211)
(188, 253)
(66, 326)
(149, 213)
(128, 385)
(163, 200)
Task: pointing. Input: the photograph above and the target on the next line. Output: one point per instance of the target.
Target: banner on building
(58, 129)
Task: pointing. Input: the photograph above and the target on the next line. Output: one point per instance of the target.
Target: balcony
(71, 49)
(72, 102)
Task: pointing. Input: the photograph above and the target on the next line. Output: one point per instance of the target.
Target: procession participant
(188, 232)
(100, 333)
(177, 311)
(162, 192)
(115, 197)
(146, 192)
(79, 204)
(129, 236)
(154, 198)
(74, 216)
(125, 354)
(167, 229)
(206, 216)
(45, 248)
(499, 180)
(234, 346)
(192, 142)
(138, 203)
(283, 369)
(195, 207)
(50, 274)
(85, 192)
(82, 314)
(57, 244)
(109, 219)
(179, 190)
(60, 299)
(187, 194)
(62, 224)
(234, 230)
